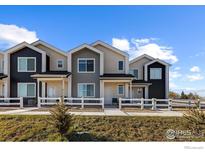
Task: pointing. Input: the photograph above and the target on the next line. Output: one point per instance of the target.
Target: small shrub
(60, 119)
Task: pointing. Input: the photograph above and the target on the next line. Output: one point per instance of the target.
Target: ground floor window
(26, 89)
(120, 89)
(86, 90)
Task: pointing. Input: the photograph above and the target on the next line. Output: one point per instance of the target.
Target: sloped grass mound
(92, 128)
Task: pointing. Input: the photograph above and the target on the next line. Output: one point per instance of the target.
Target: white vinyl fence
(12, 102)
(160, 103)
(72, 101)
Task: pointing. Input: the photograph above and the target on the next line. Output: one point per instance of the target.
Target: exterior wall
(140, 66)
(57, 87)
(157, 89)
(16, 76)
(1, 62)
(53, 57)
(85, 77)
(111, 59)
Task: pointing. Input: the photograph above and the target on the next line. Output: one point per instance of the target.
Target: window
(120, 89)
(26, 64)
(120, 65)
(134, 72)
(60, 63)
(86, 65)
(155, 73)
(26, 89)
(86, 90)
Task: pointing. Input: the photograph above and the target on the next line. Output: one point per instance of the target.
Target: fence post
(120, 103)
(39, 102)
(142, 103)
(199, 104)
(102, 99)
(170, 104)
(21, 102)
(189, 104)
(82, 101)
(153, 104)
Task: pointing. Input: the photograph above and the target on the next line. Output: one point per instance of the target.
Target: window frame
(19, 58)
(79, 84)
(119, 90)
(86, 65)
(132, 72)
(60, 60)
(151, 78)
(26, 83)
(122, 65)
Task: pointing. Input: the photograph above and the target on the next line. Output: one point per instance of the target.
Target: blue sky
(174, 33)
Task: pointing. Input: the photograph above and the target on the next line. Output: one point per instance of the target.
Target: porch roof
(114, 76)
(2, 76)
(141, 82)
(52, 74)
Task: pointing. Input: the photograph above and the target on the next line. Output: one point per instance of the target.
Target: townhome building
(96, 70)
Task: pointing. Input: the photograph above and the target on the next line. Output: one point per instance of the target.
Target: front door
(137, 92)
(108, 93)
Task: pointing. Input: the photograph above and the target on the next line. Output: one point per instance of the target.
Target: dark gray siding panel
(85, 77)
(16, 76)
(157, 89)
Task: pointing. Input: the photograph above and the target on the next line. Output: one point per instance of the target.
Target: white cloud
(137, 47)
(177, 68)
(195, 69)
(122, 44)
(174, 74)
(195, 77)
(172, 85)
(11, 35)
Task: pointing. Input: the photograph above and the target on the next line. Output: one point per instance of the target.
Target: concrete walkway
(106, 112)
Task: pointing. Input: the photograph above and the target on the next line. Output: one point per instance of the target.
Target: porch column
(126, 90)
(146, 92)
(101, 88)
(130, 89)
(63, 89)
(43, 89)
(5, 89)
(69, 86)
(38, 93)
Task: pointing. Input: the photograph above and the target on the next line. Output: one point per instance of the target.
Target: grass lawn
(98, 128)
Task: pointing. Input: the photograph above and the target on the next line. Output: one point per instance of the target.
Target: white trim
(19, 58)
(167, 82)
(123, 89)
(110, 47)
(26, 90)
(140, 57)
(91, 48)
(86, 59)
(63, 64)
(86, 84)
(49, 46)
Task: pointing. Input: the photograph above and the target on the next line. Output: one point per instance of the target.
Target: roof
(52, 74)
(23, 45)
(159, 61)
(2, 76)
(110, 47)
(85, 46)
(107, 75)
(140, 57)
(139, 81)
(48, 46)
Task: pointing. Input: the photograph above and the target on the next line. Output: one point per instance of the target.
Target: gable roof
(110, 47)
(21, 46)
(159, 61)
(85, 46)
(48, 46)
(140, 57)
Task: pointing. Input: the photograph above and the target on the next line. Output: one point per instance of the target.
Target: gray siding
(85, 77)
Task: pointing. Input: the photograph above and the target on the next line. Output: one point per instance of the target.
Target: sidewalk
(106, 112)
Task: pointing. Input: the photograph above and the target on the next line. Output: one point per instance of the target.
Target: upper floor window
(134, 72)
(86, 65)
(26, 64)
(120, 89)
(155, 73)
(60, 63)
(120, 65)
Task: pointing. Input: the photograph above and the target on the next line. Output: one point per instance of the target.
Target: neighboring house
(97, 70)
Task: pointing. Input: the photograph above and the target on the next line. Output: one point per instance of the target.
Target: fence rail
(72, 101)
(157, 103)
(12, 101)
